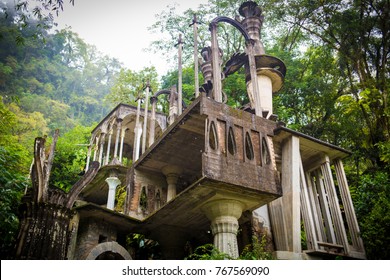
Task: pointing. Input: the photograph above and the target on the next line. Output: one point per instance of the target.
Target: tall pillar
(112, 182)
(172, 174)
(291, 193)
(118, 135)
(224, 215)
(95, 149)
(88, 157)
(145, 118)
(122, 142)
(152, 128)
(102, 140)
(137, 132)
(180, 79)
(216, 63)
(108, 147)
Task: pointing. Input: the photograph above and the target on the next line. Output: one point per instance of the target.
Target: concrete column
(216, 63)
(102, 140)
(137, 133)
(95, 149)
(121, 146)
(118, 135)
(152, 128)
(172, 174)
(137, 141)
(88, 157)
(108, 147)
(180, 79)
(145, 118)
(254, 87)
(112, 182)
(224, 215)
(265, 94)
(291, 193)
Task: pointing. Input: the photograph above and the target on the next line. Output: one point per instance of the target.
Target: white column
(180, 78)
(196, 63)
(265, 93)
(137, 141)
(108, 147)
(121, 146)
(112, 182)
(137, 132)
(118, 133)
(152, 127)
(88, 157)
(145, 119)
(102, 140)
(95, 149)
(224, 215)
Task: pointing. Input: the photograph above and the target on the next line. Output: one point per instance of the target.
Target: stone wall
(91, 233)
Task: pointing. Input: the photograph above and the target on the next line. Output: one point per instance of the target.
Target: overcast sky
(119, 27)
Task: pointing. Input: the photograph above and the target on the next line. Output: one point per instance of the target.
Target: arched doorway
(108, 251)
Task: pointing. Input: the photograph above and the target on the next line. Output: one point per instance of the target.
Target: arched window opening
(249, 147)
(231, 144)
(143, 201)
(266, 156)
(158, 200)
(213, 139)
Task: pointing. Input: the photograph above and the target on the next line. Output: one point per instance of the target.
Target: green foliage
(208, 252)
(142, 248)
(254, 251)
(257, 250)
(129, 85)
(70, 157)
(372, 203)
(14, 163)
(12, 185)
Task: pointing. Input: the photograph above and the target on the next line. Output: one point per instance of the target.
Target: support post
(196, 63)
(217, 83)
(291, 192)
(224, 215)
(152, 127)
(118, 135)
(254, 91)
(112, 182)
(102, 140)
(107, 159)
(172, 174)
(122, 142)
(88, 157)
(180, 77)
(145, 117)
(137, 132)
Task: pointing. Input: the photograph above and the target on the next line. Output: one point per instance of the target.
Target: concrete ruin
(204, 173)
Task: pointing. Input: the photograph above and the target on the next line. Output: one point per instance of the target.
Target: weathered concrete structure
(200, 175)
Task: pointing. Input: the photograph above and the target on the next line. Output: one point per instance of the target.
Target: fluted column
(224, 215)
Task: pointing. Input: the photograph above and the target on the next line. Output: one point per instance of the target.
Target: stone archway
(111, 248)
